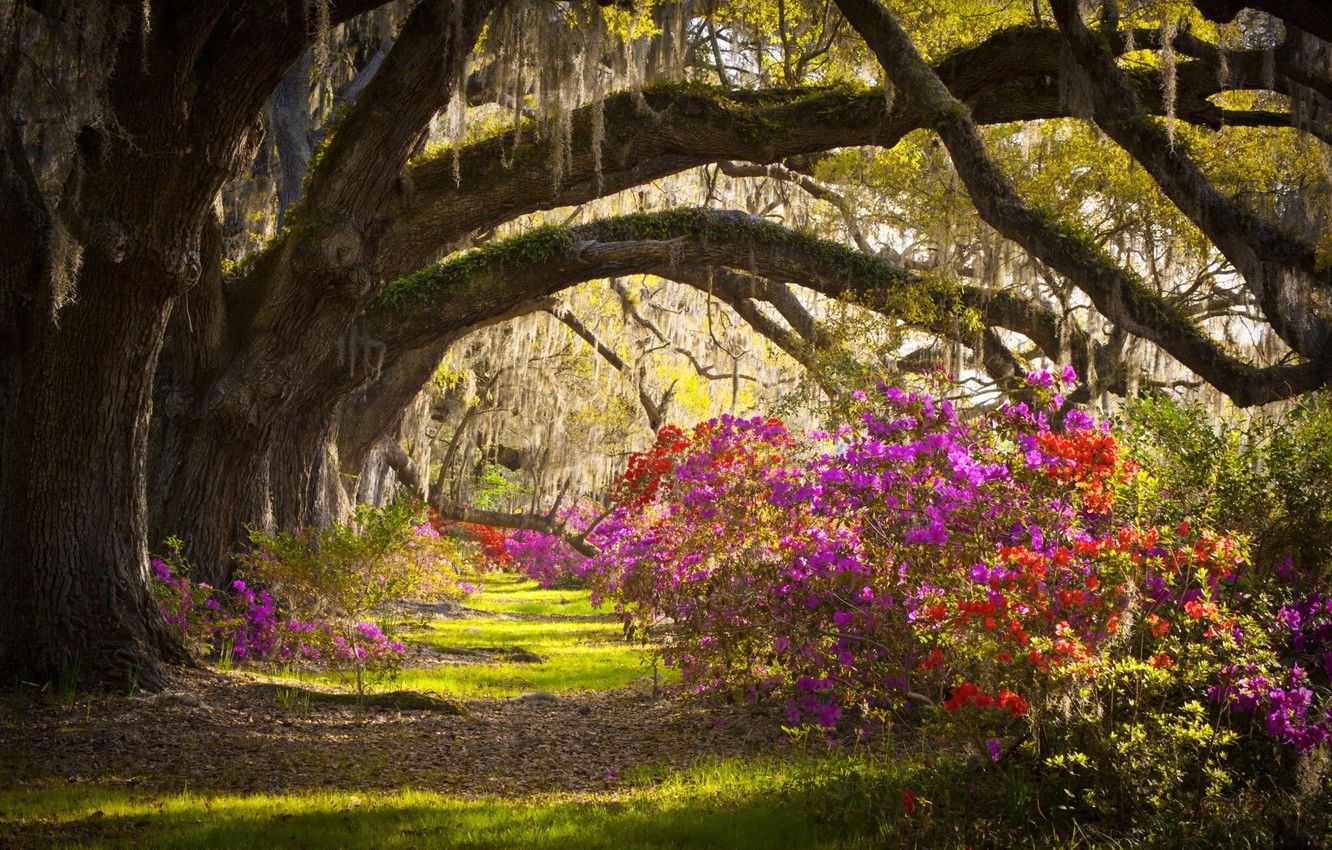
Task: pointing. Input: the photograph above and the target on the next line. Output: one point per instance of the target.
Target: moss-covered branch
(1118, 293)
(485, 285)
(1014, 75)
(1281, 267)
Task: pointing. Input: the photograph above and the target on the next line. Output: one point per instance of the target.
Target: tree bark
(1309, 15)
(73, 553)
(213, 470)
(305, 475)
(265, 408)
(175, 125)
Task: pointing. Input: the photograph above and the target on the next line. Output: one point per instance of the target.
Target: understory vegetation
(1027, 628)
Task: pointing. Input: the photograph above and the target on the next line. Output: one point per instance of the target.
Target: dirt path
(238, 732)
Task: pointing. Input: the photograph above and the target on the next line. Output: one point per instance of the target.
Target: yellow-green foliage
(349, 571)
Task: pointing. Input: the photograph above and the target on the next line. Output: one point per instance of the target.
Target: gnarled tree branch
(1118, 294)
(1281, 268)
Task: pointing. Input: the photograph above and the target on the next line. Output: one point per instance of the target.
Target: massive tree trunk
(228, 478)
(211, 474)
(73, 559)
(169, 128)
(304, 472)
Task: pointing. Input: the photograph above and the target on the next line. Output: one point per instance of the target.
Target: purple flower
(1040, 379)
(827, 714)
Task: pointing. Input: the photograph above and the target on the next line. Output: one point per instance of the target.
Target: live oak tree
(141, 138)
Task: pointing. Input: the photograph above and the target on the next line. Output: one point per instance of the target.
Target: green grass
(575, 656)
(723, 804)
(505, 592)
(577, 653)
(813, 798)
(565, 670)
(486, 631)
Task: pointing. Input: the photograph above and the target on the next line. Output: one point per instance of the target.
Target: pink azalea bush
(1004, 578)
(243, 624)
(313, 597)
(549, 559)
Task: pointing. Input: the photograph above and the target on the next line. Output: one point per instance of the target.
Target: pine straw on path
(239, 733)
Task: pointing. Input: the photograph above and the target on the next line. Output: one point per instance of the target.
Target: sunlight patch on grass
(811, 798)
(505, 592)
(738, 804)
(484, 631)
(562, 670)
(574, 656)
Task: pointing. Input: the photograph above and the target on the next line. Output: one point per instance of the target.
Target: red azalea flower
(1015, 703)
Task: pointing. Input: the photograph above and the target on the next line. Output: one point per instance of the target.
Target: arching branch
(1281, 268)
(1118, 294)
(305, 290)
(1014, 75)
(812, 187)
(478, 288)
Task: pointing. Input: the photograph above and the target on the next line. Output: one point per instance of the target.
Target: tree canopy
(262, 259)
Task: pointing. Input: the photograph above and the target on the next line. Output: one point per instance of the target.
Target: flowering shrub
(1270, 481)
(335, 579)
(644, 471)
(193, 609)
(704, 535)
(549, 559)
(546, 559)
(243, 625)
(330, 583)
(1008, 571)
(352, 570)
(491, 543)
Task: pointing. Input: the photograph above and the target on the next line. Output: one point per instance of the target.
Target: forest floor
(523, 719)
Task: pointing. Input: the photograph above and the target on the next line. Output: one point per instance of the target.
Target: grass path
(734, 803)
(578, 648)
(573, 750)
